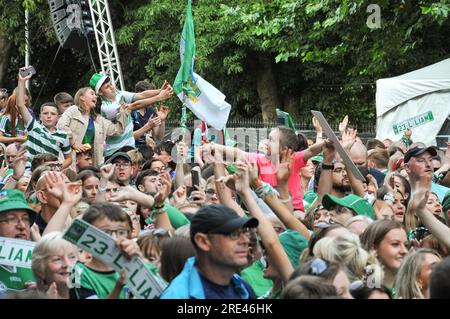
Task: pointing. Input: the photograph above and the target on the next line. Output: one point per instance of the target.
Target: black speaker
(72, 22)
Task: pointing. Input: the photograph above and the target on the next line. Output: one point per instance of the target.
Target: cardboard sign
(16, 252)
(350, 166)
(139, 279)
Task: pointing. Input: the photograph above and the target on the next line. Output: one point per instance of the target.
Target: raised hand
(284, 168)
(80, 148)
(26, 78)
(107, 171)
(128, 247)
(161, 196)
(163, 112)
(153, 121)
(180, 195)
(181, 152)
(19, 163)
(348, 138)
(421, 193)
(343, 125)
(329, 152)
(316, 125)
(55, 184)
(242, 182)
(198, 196)
(166, 93)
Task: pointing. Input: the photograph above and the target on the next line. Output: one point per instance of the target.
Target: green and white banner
(16, 252)
(139, 279)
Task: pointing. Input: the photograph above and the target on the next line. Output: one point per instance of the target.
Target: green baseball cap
(293, 244)
(359, 205)
(12, 199)
(97, 81)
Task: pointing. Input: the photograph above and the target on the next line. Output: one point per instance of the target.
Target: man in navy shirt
(147, 118)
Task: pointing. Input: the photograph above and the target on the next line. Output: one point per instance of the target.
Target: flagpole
(183, 111)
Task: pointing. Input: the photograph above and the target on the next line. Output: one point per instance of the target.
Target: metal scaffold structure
(106, 43)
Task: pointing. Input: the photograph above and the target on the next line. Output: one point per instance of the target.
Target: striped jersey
(109, 111)
(41, 140)
(6, 129)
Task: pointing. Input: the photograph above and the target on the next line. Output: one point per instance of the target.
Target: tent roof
(397, 90)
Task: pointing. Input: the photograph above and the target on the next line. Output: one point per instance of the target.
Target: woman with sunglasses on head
(332, 272)
(346, 250)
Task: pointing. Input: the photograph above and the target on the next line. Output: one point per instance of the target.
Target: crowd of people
(210, 220)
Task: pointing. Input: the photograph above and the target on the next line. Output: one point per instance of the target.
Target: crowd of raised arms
(208, 219)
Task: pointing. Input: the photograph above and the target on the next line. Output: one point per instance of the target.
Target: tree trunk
(291, 103)
(5, 50)
(266, 85)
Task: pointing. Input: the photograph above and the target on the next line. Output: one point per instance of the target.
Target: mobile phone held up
(30, 70)
(195, 175)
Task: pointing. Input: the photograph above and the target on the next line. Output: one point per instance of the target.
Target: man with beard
(16, 218)
(340, 182)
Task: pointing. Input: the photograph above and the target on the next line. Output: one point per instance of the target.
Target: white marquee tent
(419, 100)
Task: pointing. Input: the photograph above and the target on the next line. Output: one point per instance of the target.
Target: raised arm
(21, 97)
(265, 230)
(417, 206)
(72, 193)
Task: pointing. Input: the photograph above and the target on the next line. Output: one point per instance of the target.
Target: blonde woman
(53, 258)
(346, 250)
(413, 277)
(86, 129)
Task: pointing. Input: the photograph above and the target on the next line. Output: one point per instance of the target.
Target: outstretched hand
(284, 168)
(343, 124)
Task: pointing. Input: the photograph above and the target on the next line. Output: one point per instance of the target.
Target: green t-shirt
(254, 276)
(13, 279)
(98, 285)
(177, 218)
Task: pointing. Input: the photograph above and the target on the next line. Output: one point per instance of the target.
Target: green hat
(446, 203)
(317, 158)
(12, 199)
(97, 81)
(294, 244)
(359, 205)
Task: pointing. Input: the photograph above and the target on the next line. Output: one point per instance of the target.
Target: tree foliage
(262, 54)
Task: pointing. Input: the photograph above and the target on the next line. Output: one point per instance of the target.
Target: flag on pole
(284, 118)
(203, 99)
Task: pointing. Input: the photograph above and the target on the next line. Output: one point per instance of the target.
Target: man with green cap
(113, 99)
(344, 208)
(16, 218)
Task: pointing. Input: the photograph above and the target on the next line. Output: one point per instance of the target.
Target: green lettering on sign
(415, 121)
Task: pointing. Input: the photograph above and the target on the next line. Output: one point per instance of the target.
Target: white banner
(16, 252)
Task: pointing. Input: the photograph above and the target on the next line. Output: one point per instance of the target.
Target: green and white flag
(203, 99)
